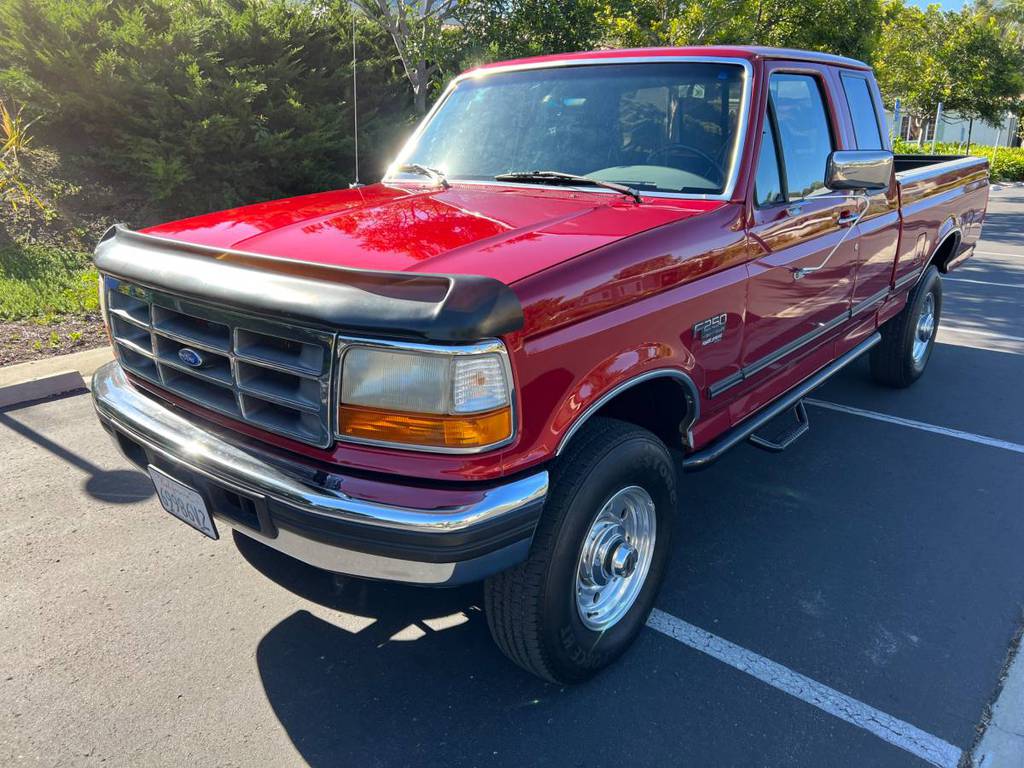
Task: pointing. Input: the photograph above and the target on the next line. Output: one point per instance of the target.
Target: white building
(955, 129)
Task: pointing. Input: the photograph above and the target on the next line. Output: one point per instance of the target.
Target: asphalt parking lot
(851, 602)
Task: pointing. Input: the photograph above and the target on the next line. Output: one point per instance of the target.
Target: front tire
(900, 358)
(597, 560)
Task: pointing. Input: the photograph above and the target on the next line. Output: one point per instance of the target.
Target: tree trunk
(420, 87)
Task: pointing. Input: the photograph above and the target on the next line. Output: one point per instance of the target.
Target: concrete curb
(1002, 744)
(40, 379)
(39, 389)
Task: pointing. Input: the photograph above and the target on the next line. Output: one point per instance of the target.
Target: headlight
(456, 399)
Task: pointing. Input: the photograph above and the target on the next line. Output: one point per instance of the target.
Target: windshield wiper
(541, 176)
(424, 170)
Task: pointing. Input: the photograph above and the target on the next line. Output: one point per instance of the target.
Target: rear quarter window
(866, 126)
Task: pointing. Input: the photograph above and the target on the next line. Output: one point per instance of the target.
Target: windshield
(656, 127)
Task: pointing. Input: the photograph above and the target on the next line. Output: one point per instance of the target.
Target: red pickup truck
(583, 275)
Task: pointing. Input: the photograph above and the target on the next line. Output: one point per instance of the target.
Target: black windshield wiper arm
(542, 176)
(424, 170)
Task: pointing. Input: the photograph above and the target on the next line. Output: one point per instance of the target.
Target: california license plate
(183, 502)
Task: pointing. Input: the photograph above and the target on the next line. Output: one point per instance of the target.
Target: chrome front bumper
(301, 510)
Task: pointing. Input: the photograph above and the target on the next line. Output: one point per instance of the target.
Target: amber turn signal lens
(426, 430)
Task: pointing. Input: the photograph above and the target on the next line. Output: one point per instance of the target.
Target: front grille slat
(264, 372)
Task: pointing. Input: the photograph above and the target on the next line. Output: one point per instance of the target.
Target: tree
(960, 58)
(417, 29)
(846, 27)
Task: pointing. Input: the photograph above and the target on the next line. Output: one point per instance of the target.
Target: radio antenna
(355, 106)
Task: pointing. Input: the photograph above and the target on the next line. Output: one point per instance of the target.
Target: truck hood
(506, 233)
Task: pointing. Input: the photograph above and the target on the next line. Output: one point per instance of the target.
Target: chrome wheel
(615, 558)
(925, 330)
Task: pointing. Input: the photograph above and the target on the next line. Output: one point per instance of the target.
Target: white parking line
(992, 442)
(981, 282)
(898, 733)
(975, 332)
(995, 253)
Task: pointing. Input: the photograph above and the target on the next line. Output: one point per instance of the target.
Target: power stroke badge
(711, 330)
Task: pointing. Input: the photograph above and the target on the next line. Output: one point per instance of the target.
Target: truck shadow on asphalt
(114, 486)
(419, 683)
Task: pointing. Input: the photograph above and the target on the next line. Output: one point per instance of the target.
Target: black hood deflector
(427, 307)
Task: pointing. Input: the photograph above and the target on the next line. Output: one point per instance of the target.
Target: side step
(742, 431)
(787, 438)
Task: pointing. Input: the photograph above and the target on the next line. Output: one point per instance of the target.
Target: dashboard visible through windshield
(656, 127)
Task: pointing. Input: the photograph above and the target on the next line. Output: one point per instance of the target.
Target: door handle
(846, 218)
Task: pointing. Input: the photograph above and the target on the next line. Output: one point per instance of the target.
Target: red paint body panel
(502, 232)
(611, 289)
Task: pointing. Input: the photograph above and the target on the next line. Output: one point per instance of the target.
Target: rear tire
(615, 481)
(900, 358)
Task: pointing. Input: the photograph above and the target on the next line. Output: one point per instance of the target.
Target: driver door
(796, 223)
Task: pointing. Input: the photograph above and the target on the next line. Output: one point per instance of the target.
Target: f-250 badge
(711, 330)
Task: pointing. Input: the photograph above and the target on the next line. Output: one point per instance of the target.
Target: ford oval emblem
(190, 357)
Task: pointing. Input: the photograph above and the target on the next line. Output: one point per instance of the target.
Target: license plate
(183, 502)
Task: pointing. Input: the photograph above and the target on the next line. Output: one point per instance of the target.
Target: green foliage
(845, 27)
(14, 131)
(38, 281)
(14, 190)
(1005, 163)
(961, 58)
(197, 104)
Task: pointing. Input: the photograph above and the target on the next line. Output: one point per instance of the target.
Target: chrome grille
(267, 373)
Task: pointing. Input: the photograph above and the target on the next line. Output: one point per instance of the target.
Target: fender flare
(690, 393)
(953, 232)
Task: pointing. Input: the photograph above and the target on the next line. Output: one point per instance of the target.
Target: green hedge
(1006, 163)
(194, 105)
(42, 281)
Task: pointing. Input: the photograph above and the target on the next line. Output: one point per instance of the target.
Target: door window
(805, 136)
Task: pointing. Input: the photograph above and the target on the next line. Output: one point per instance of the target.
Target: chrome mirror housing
(859, 169)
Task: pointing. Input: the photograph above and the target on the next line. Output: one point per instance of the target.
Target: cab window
(862, 111)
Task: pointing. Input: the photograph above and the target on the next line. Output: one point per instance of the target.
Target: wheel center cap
(622, 560)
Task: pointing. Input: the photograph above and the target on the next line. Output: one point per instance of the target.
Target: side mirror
(851, 169)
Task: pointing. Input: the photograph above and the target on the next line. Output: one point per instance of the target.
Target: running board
(742, 431)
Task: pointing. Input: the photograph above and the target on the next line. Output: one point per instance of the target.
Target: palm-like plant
(14, 131)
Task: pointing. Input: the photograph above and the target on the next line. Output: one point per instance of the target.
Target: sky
(947, 5)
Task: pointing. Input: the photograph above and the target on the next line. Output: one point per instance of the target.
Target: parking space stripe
(981, 282)
(974, 332)
(992, 442)
(898, 733)
(995, 253)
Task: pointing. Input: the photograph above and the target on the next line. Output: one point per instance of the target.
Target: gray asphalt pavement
(879, 559)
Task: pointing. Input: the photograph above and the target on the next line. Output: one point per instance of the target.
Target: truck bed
(904, 163)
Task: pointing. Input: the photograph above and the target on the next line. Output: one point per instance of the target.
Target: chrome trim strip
(692, 397)
(723, 384)
(869, 302)
(773, 357)
(493, 346)
(908, 278)
(742, 122)
(162, 430)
